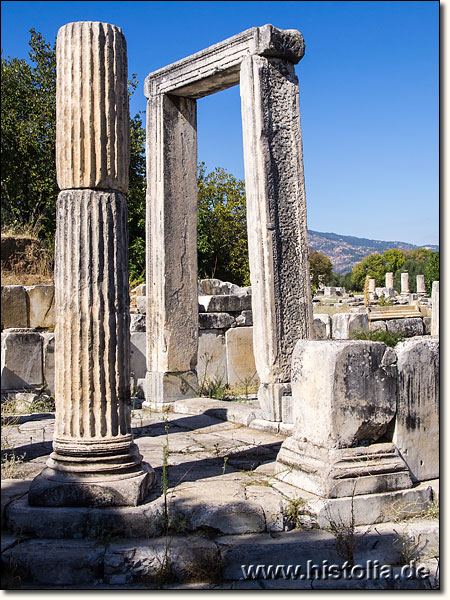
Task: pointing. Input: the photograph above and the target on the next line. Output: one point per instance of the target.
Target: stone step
(227, 562)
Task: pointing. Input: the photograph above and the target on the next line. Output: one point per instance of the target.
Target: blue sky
(369, 96)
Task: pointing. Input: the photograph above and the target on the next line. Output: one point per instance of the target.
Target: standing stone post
(172, 295)
(372, 286)
(94, 460)
(421, 289)
(435, 308)
(276, 215)
(405, 283)
(389, 281)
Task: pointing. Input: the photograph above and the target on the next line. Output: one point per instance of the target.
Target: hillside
(344, 251)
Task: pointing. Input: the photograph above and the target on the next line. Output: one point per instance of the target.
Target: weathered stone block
(342, 324)
(41, 299)
(21, 360)
(234, 303)
(322, 326)
(215, 320)
(354, 391)
(140, 290)
(138, 352)
(48, 356)
(427, 325)
(74, 562)
(141, 304)
(14, 307)
(245, 319)
(137, 322)
(240, 357)
(212, 357)
(378, 326)
(416, 431)
(216, 287)
(409, 327)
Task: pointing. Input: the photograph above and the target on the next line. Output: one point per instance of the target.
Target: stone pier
(94, 460)
(262, 60)
(421, 289)
(372, 286)
(405, 283)
(435, 308)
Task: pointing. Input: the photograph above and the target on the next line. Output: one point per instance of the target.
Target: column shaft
(277, 233)
(172, 295)
(92, 134)
(94, 460)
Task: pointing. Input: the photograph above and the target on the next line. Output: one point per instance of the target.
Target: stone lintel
(217, 68)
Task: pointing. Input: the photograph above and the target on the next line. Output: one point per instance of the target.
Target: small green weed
(388, 338)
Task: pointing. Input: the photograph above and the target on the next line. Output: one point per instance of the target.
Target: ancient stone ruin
(343, 432)
(262, 61)
(94, 459)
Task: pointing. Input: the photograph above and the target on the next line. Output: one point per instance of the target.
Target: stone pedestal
(372, 286)
(344, 403)
(405, 283)
(276, 209)
(421, 289)
(94, 460)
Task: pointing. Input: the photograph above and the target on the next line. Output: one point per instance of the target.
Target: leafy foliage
(28, 177)
(372, 266)
(222, 227)
(431, 271)
(388, 338)
(28, 113)
(393, 259)
(320, 267)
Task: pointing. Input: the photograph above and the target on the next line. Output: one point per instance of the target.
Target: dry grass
(320, 309)
(28, 261)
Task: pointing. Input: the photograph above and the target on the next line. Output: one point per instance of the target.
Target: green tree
(28, 113)
(136, 200)
(28, 172)
(393, 260)
(320, 267)
(373, 266)
(431, 270)
(222, 227)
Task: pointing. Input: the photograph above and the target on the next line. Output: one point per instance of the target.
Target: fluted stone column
(420, 281)
(276, 214)
(405, 283)
(94, 460)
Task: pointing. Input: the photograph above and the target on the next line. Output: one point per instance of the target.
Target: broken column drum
(262, 60)
(94, 460)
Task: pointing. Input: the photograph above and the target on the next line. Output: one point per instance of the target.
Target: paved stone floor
(222, 501)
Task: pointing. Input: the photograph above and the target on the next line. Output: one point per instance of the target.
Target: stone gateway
(262, 61)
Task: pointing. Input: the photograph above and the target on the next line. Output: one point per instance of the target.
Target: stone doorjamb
(262, 61)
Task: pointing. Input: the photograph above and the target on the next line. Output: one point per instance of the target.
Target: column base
(270, 396)
(340, 472)
(92, 473)
(169, 387)
(50, 489)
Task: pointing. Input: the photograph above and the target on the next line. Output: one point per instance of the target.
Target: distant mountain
(345, 251)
